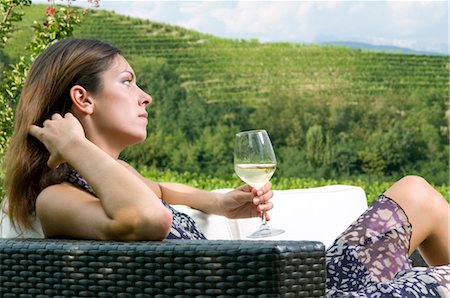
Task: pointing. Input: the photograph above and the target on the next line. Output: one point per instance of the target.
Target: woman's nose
(146, 99)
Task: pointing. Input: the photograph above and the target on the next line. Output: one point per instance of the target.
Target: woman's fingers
(256, 201)
(69, 115)
(35, 131)
(56, 116)
(265, 207)
(262, 196)
(50, 134)
(263, 199)
(266, 187)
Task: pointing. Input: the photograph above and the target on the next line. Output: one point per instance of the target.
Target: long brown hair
(46, 91)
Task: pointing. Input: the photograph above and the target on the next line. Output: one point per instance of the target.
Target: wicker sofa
(210, 268)
(227, 265)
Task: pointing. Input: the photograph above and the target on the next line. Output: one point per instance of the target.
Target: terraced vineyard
(222, 69)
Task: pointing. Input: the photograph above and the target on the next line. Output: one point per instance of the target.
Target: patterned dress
(183, 226)
(369, 259)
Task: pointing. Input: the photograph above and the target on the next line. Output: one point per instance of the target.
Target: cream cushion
(320, 213)
(8, 231)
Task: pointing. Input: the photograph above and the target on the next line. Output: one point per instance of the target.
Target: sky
(417, 25)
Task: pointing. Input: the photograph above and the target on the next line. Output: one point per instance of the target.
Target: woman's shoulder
(62, 190)
(55, 197)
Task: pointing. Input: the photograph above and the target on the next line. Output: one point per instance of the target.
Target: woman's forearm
(121, 193)
(180, 194)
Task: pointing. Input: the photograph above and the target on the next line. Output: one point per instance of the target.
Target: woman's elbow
(164, 225)
(140, 226)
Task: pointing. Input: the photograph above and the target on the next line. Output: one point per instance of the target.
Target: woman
(81, 107)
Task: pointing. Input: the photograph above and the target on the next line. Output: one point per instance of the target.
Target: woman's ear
(81, 100)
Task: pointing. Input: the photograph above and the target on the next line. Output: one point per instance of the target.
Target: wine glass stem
(264, 220)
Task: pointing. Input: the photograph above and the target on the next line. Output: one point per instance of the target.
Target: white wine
(255, 175)
(255, 163)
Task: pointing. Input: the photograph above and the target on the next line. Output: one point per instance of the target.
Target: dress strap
(75, 178)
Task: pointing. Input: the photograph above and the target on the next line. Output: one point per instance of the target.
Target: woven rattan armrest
(189, 268)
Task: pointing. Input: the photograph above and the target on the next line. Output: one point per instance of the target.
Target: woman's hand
(56, 134)
(246, 201)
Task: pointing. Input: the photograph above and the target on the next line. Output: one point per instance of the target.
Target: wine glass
(255, 163)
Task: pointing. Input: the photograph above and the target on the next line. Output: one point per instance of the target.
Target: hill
(380, 48)
(331, 111)
(223, 69)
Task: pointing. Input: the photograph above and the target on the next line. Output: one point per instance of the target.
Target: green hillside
(331, 111)
(223, 69)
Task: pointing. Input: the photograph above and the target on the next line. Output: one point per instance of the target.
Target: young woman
(81, 106)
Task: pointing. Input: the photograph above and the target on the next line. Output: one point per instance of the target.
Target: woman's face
(119, 111)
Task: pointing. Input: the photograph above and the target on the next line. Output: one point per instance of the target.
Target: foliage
(58, 24)
(380, 114)
(372, 188)
(10, 15)
(184, 133)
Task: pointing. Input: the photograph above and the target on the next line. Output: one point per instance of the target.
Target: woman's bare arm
(127, 208)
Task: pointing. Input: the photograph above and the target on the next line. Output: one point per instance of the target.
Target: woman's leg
(429, 214)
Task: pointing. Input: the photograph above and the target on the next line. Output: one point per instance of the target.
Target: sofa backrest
(320, 214)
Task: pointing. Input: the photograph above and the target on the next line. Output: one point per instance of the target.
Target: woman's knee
(414, 192)
(424, 206)
(408, 185)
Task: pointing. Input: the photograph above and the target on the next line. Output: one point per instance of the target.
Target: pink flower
(94, 3)
(50, 11)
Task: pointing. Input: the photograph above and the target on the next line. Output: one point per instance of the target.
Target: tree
(315, 146)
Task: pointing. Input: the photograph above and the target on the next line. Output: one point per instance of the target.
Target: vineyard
(334, 114)
(223, 70)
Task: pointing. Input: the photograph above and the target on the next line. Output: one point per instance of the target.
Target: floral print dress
(370, 259)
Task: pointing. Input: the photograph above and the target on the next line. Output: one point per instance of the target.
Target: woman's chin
(140, 138)
(132, 138)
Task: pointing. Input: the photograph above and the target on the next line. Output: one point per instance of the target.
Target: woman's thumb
(53, 162)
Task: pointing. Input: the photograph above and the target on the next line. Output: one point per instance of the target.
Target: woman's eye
(127, 82)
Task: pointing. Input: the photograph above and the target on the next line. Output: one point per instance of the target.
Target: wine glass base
(266, 231)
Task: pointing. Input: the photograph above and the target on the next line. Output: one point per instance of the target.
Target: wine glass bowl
(255, 163)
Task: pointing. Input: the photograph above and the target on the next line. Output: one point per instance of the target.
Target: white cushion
(8, 231)
(320, 213)
(214, 227)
